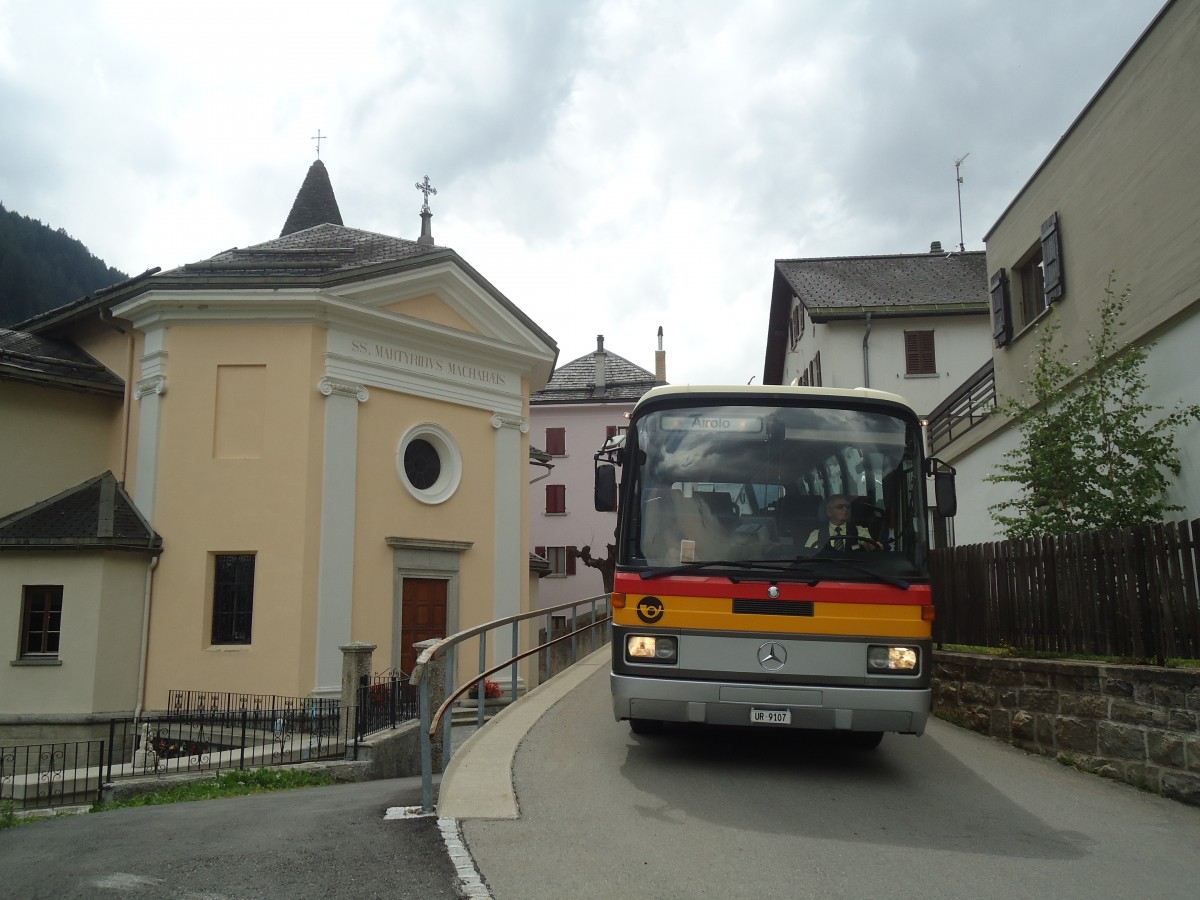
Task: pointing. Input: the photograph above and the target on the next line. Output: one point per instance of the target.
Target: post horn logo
(650, 610)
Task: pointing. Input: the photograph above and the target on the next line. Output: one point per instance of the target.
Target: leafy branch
(1093, 454)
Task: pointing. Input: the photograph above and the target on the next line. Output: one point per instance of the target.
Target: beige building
(314, 440)
(1117, 194)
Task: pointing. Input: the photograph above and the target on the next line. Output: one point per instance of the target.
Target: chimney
(936, 247)
(660, 361)
(599, 357)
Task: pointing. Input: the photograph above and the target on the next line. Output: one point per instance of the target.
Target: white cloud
(610, 166)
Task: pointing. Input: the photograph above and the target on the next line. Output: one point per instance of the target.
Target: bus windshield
(819, 485)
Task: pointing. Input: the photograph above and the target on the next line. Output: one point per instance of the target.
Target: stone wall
(1137, 724)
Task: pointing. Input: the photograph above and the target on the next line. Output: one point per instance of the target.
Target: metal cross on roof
(426, 188)
(318, 138)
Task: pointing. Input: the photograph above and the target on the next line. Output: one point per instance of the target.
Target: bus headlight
(644, 648)
(893, 660)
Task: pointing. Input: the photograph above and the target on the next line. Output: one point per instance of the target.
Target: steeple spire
(315, 203)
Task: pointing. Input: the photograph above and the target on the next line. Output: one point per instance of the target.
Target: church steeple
(315, 203)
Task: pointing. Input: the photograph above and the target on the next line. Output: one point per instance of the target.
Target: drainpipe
(107, 319)
(867, 354)
(141, 693)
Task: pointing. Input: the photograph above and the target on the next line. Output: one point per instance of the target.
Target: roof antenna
(962, 247)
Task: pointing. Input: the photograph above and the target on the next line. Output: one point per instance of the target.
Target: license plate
(771, 717)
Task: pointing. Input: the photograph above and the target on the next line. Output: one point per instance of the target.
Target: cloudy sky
(610, 166)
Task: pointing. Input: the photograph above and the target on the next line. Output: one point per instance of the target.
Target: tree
(1093, 454)
(607, 565)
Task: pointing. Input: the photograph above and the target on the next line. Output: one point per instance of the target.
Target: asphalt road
(760, 814)
(323, 842)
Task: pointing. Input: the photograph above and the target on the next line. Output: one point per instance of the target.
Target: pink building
(583, 405)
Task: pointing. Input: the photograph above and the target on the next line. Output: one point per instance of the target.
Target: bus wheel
(863, 740)
(645, 726)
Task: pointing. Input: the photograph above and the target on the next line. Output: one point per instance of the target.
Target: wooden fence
(1127, 593)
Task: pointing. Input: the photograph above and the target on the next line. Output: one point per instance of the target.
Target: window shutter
(817, 370)
(540, 551)
(556, 441)
(556, 498)
(1001, 316)
(918, 353)
(610, 432)
(1052, 259)
(571, 560)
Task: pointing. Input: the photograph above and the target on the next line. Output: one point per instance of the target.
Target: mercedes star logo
(772, 656)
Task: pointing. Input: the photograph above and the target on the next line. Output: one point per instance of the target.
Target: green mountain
(42, 268)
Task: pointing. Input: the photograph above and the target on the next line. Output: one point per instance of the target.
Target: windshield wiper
(777, 565)
(788, 566)
(878, 576)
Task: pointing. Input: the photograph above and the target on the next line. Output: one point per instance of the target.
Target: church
(218, 475)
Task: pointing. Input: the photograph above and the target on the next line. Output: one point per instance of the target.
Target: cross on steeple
(426, 188)
(318, 138)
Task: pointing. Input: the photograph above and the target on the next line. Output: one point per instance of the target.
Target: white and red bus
(734, 601)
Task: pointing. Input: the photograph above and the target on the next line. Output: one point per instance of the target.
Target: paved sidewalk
(478, 783)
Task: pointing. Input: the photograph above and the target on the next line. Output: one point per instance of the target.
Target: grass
(224, 784)
(1083, 657)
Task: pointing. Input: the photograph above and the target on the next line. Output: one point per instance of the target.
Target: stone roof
(575, 382)
(57, 363)
(900, 284)
(326, 249)
(97, 514)
(315, 203)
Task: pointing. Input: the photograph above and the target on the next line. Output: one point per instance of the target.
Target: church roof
(315, 203)
(58, 363)
(320, 250)
(575, 382)
(97, 514)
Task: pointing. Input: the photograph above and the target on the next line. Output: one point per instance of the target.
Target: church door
(424, 616)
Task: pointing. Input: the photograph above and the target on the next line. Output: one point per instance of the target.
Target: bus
(733, 603)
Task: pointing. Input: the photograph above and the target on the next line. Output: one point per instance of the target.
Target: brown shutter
(1052, 269)
(556, 441)
(571, 560)
(556, 498)
(540, 551)
(918, 353)
(1001, 310)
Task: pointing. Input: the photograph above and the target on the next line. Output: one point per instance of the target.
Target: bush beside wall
(1137, 724)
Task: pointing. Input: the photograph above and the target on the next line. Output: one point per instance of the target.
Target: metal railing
(198, 742)
(385, 701)
(969, 405)
(447, 648)
(49, 775)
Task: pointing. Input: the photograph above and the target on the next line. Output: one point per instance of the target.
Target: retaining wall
(1137, 724)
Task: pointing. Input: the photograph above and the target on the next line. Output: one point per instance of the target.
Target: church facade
(321, 439)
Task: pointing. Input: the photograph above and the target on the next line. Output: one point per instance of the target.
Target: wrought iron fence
(201, 741)
(65, 773)
(208, 703)
(385, 701)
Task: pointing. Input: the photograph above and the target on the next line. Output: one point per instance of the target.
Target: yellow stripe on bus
(716, 614)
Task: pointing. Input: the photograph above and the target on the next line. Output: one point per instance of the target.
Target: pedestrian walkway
(478, 783)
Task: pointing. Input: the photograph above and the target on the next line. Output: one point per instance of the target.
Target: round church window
(428, 463)
(422, 464)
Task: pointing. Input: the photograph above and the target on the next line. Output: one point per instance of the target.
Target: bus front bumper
(818, 707)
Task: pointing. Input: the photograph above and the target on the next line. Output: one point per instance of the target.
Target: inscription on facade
(398, 357)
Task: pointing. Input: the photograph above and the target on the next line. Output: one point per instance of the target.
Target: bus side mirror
(606, 488)
(945, 495)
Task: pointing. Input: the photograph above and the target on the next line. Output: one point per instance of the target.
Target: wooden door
(423, 608)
